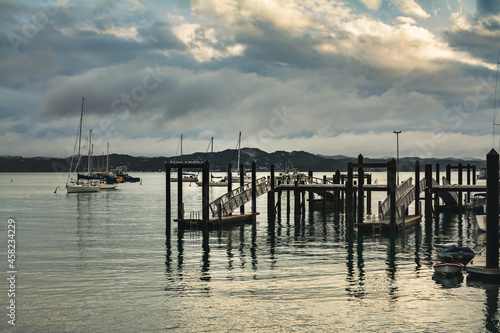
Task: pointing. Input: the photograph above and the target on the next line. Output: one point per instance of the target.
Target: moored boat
(448, 268)
(78, 186)
(456, 254)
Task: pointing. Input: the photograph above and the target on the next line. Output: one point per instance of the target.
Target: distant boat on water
(78, 185)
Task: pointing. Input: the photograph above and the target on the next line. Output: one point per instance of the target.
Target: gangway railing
(401, 190)
(230, 201)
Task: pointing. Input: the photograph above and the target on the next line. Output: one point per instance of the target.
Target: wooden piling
(428, 190)
(349, 206)
(492, 177)
(436, 197)
(242, 183)
(460, 181)
(168, 202)
(361, 192)
(391, 187)
(205, 180)
(180, 204)
(417, 188)
(254, 189)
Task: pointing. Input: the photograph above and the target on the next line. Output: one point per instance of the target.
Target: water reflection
(492, 315)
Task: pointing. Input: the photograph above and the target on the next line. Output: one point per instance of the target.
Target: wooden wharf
(345, 194)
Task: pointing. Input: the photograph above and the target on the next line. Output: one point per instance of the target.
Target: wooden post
(460, 181)
(349, 200)
(180, 204)
(229, 179)
(337, 193)
(468, 182)
(428, 191)
(417, 188)
(242, 183)
(436, 196)
(205, 180)
(361, 191)
(324, 194)
(369, 195)
(492, 178)
(392, 186)
(287, 203)
(271, 211)
(474, 175)
(296, 197)
(168, 202)
(254, 189)
(311, 194)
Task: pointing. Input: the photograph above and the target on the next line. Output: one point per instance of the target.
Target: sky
(328, 77)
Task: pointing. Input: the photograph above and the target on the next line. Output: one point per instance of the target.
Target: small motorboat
(448, 268)
(456, 254)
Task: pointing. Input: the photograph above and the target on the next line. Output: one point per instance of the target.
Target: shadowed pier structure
(393, 211)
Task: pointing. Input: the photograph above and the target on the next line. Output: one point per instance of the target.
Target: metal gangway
(230, 201)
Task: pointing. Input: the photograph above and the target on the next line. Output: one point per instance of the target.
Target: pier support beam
(361, 193)
(391, 187)
(254, 189)
(168, 202)
(180, 204)
(271, 210)
(417, 188)
(205, 189)
(242, 183)
(428, 190)
(349, 205)
(492, 164)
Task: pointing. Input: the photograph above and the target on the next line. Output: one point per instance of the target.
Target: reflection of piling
(492, 209)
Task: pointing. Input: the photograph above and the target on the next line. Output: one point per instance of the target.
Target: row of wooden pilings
(348, 194)
(344, 197)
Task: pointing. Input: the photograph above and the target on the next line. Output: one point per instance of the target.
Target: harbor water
(102, 262)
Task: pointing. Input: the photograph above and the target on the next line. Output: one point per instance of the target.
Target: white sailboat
(186, 177)
(79, 186)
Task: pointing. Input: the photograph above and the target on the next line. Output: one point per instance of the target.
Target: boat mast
(107, 159)
(90, 152)
(239, 148)
(211, 155)
(181, 147)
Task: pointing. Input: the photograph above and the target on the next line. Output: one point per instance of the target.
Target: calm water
(101, 262)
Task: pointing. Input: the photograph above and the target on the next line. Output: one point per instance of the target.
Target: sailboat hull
(81, 188)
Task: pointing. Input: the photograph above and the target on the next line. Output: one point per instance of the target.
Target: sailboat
(79, 186)
(223, 181)
(186, 177)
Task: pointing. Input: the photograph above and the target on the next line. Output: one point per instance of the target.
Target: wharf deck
(378, 224)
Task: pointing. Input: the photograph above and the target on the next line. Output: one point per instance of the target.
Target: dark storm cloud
(488, 7)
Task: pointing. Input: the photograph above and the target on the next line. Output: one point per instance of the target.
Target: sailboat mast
(107, 159)
(90, 152)
(181, 147)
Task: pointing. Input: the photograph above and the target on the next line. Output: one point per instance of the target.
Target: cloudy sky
(329, 77)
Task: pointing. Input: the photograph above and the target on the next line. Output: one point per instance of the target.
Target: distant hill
(301, 160)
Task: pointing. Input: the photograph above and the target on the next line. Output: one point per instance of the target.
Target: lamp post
(397, 156)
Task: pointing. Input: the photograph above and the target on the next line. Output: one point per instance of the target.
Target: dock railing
(401, 191)
(238, 197)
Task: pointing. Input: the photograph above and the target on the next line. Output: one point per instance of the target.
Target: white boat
(480, 211)
(186, 177)
(448, 268)
(78, 185)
